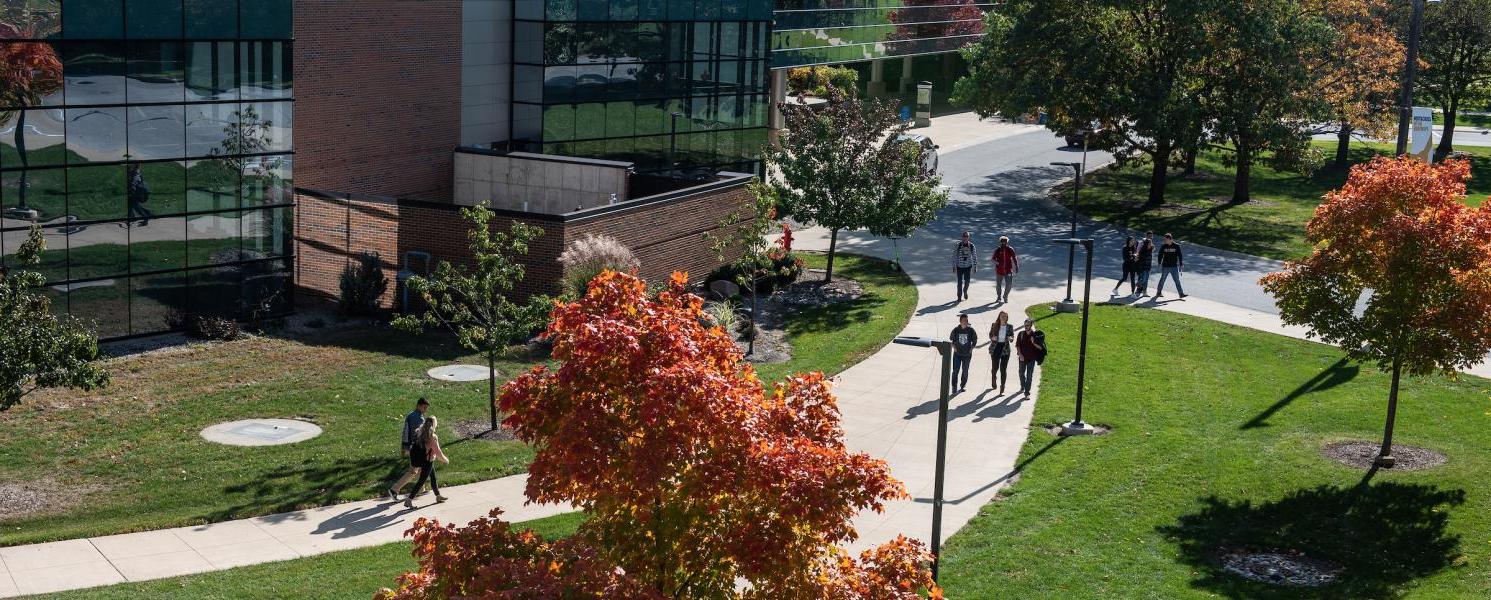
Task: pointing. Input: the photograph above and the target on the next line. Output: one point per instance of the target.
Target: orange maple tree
(1400, 233)
(1358, 75)
(698, 482)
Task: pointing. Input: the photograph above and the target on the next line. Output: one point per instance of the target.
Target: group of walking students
(421, 444)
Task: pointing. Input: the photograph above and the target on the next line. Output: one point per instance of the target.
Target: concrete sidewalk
(89, 562)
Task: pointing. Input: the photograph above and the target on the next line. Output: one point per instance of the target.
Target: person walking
(1144, 261)
(1006, 264)
(1001, 334)
(423, 454)
(965, 262)
(137, 193)
(964, 338)
(412, 424)
(1171, 262)
(1030, 344)
(1130, 267)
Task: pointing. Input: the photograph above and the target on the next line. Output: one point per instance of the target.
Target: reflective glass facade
(811, 32)
(151, 140)
(604, 79)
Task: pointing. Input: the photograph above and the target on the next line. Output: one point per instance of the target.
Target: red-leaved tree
(698, 482)
(1400, 232)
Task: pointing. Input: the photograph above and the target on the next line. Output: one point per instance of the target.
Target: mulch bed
(1055, 429)
(37, 497)
(1280, 567)
(809, 290)
(479, 429)
(1364, 454)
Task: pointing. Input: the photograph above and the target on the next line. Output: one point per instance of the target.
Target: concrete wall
(538, 183)
(377, 96)
(486, 71)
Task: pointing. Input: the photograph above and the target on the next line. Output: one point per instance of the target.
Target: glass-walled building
(655, 83)
(814, 32)
(151, 141)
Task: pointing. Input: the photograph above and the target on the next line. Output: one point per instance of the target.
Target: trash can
(924, 104)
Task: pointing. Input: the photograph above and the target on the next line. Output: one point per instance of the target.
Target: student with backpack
(965, 262)
(964, 338)
(1030, 344)
(1006, 264)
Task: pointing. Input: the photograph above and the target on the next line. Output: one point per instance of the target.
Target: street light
(1077, 426)
(945, 348)
(1410, 69)
(1067, 304)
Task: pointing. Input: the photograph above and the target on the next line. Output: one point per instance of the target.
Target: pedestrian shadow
(971, 406)
(936, 308)
(1384, 536)
(1007, 407)
(1332, 376)
(353, 523)
(283, 491)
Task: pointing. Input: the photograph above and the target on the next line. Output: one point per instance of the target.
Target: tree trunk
(1447, 140)
(1343, 146)
(1190, 159)
(1240, 193)
(833, 242)
(1160, 173)
(492, 387)
(21, 150)
(1385, 456)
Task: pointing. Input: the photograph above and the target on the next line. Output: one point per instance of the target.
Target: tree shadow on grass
(1385, 536)
(430, 345)
(292, 488)
(1332, 376)
(833, 317)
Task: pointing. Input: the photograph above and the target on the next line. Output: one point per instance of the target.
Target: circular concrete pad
(261, 432)
(460, 373)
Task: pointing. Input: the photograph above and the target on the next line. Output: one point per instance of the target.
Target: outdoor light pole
(673, 143)
(1410, 69)
(1077, 426)
(945, 348)
(1067, 304)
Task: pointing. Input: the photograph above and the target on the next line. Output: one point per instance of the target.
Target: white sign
(1421, 134)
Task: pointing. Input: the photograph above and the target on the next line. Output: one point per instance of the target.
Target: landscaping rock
(1364, 454)
(809, 290)
(480, 429)
(1279, 567)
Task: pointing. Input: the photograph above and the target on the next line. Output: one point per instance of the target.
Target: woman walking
(1130, 267)
(422, 455)
(1001, 333)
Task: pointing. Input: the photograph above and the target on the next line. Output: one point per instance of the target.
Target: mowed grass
(1197, 208)
(835, 337)
(1465, 120)
(130, 457)
(1217, 433)
(345, 575)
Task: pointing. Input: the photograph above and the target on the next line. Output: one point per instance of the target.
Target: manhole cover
(460, 373)
(261, 432)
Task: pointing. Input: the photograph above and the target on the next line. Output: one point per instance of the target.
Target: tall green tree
(475, 303)
(1128, 66)
(836, 163)
(1456, 46)
(38, 349)
(1261, 90)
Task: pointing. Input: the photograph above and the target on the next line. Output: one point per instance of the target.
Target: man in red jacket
(1006, 264)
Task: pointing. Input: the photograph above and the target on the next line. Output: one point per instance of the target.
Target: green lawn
(1196, 208)
(1216, 441)
(350, 574)
(832, 338)
(129, 457)
(1464, 120)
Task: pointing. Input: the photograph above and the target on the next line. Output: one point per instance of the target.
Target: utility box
(924, 104)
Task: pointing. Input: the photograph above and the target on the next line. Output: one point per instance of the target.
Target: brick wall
(667, 234)
(377, 96)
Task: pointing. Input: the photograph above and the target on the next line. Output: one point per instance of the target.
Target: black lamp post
(1067, 304)
(1410, 69)
(945, 348)
(673, 143)
(1077, 426)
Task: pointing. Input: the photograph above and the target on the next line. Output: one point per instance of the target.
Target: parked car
(929, 149)
(1094, 137)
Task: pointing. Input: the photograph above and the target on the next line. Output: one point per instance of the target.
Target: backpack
(1039, 337)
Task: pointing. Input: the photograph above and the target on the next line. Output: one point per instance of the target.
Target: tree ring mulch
(1363, 454)
(480, 429)
(1097, 429)
(38, 497)
(809, 290)
(1281, 567)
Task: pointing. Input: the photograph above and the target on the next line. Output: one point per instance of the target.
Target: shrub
(724, 314)
(204, 327)
(814, 81)
(363, 285)
(586, 257)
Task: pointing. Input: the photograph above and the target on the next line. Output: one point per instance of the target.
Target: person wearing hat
(964, 338)
(965, 262)
(1030, 345)
(412, 423)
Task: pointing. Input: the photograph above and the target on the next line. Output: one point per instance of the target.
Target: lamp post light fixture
(1067, 304)
(945, 348)
(1077, 426)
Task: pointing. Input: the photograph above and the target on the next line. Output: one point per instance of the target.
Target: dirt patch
(1364, 454)
(479, 429)
(38, 497)
(1281, 567)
